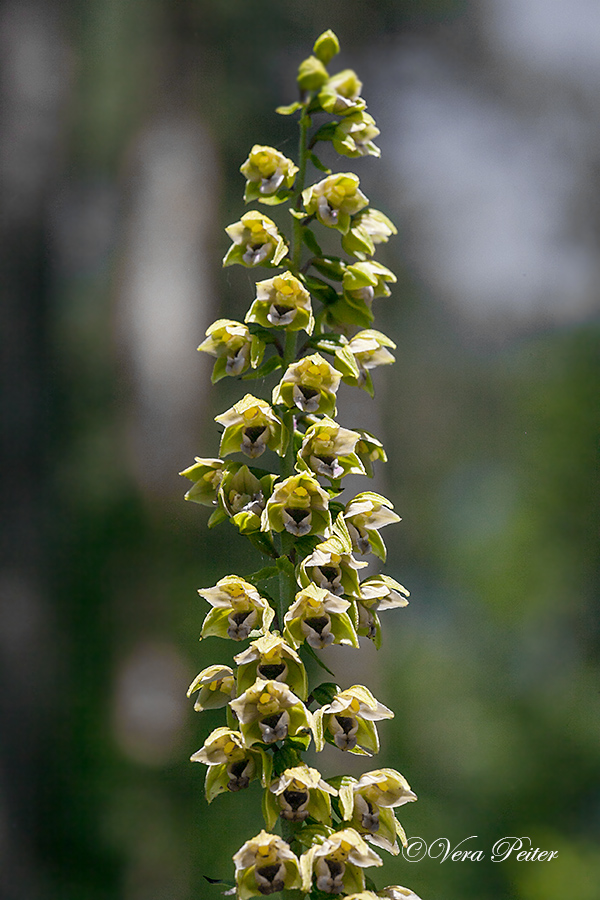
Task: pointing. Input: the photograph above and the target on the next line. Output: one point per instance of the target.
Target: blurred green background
(124, 124)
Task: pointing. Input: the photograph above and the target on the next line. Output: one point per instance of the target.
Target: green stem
(302, 161)
(287, 583)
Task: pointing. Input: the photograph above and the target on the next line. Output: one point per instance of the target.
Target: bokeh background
(123, 127)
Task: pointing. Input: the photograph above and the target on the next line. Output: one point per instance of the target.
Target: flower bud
(312, 74)
(326, 46)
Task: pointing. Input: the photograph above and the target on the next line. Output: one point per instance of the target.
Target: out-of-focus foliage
(493, 672)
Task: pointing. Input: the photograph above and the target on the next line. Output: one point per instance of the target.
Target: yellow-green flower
(331, 566)
(341, 94)
(396, 892)
(282, 302)
(328, 449)
(370, 349)
(231, 765)
(234, 347)
(309, 384)
(298, 505)
(269, 175)
(369, 449)
(354, 136)
(364, 516)
(348, 721)
(368, 227)
(368, 805)
(367, 280)
(269, 712)
(243, 496)
(337, 864)
(215, 686)
(375, 593)
(320, 618)
(334, 200)
(251, 426)
(256, 241)
(362, 895)
(206, 475)
(270, 658)
(298, 793)
(238, 609)
(265, 865)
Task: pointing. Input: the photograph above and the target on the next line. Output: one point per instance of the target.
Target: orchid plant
(310, 323)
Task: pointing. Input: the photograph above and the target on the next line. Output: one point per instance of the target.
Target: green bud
(326, 46)
(312, 74)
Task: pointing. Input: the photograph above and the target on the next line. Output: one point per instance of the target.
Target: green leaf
(286, 758)
(322, 290)
(216, 518)
(260, 540)
(325, 692)
(273, 363)
(284, 565)
(219, 881)
(345, 362)
(288, 110)
(318, 164)
(311, 242)
(300, 742)
(263, 574)
(330, 266)
(308, 650)
(324, 133)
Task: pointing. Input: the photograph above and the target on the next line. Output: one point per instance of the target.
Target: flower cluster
(310, 592)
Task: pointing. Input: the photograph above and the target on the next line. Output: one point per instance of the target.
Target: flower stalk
(311, 594)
